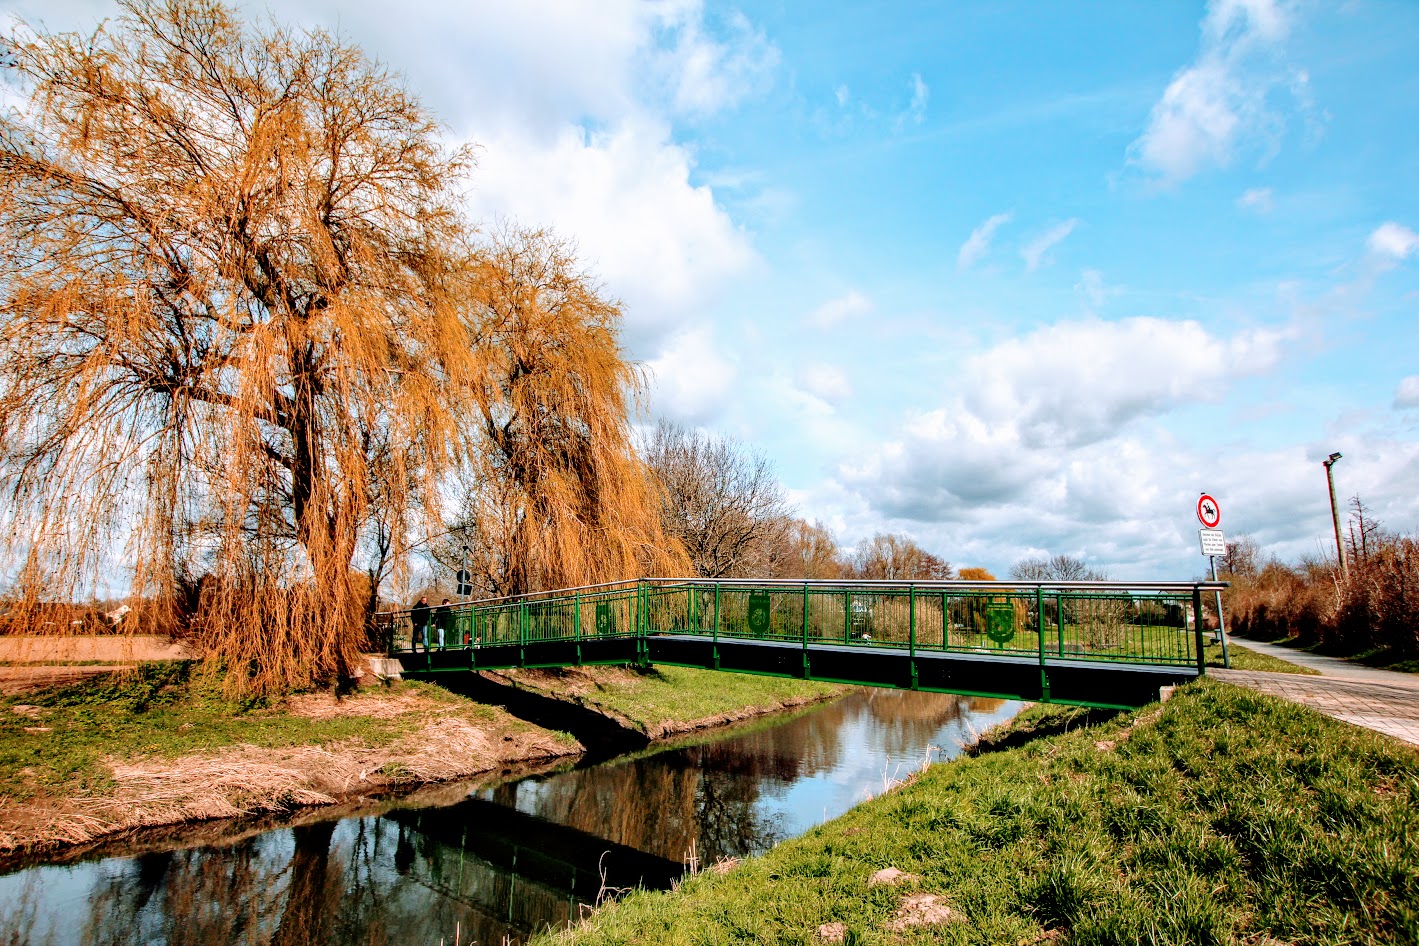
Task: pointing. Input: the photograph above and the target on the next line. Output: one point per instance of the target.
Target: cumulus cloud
(1030, 415)
(978, 243)
(1036, 251)
(839, 310)
(1407, 395)
(1210, 106)
(1392, 242)
(1078, 382)
(691, 380)
(660, 243)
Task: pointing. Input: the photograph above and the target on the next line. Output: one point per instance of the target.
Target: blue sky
(1012, 278)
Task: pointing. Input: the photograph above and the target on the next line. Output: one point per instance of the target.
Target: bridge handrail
(839, 584)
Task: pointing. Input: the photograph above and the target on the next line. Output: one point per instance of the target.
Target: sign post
(1214, 543)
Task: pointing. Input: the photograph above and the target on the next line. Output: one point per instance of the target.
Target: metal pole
(1335, 514)
(1221, 622)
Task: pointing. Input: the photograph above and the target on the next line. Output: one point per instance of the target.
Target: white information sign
(1213, 541)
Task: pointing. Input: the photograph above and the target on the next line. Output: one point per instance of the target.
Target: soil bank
(110, 756)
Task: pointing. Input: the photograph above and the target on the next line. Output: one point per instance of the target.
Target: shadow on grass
(1039, 722)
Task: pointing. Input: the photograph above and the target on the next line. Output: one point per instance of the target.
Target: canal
(494, 864)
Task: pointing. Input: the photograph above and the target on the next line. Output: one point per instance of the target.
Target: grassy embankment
(1221, 816)
(1245, 659)
(161, 745)
(663, 701)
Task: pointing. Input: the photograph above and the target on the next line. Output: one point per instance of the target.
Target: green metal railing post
(1059, 619)
(945, 621)
(911, 632)
(522, 633)
(1197, 629)
(576, 625)
(847, 616)
(714, 647)
(1040, 637)
(807, 673)
(642, 604)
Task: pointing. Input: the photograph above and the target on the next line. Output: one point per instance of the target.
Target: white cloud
(1034, 253)
(824, 381)
(1393, 242)
(1094, 291)
(1053, 421)
(660, 243)
(921, 93)
(978, 243)
(711, 75)
(841, 94)
(840, 309)
(1211, 106)
(690, 380)
(1407, 395)
(1079, 382)
(1257, 199)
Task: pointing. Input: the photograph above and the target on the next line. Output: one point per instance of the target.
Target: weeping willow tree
(235, 326)
(555, 495)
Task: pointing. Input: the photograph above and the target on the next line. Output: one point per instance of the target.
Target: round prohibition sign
(1209, 513)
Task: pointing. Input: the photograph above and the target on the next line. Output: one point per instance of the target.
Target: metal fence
(1131, 622)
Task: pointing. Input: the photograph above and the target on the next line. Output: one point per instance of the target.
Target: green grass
(1221, 816)
(683, 694)
(160, 710)
(1244, 659)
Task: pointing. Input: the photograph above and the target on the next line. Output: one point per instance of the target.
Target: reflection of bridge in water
(571, 863)
(1111, 644)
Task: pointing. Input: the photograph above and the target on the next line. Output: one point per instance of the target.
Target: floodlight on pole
(1335, 513)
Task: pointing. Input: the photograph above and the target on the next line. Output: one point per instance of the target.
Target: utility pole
(1335, 515)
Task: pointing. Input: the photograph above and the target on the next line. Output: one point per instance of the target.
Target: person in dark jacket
(419, 617)
(443, 621)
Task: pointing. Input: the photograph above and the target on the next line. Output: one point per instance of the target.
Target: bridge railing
(1133, 622)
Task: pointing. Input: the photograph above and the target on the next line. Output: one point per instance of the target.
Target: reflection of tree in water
(264, 891)
(906, 722)
(706, 798)
(378, 880)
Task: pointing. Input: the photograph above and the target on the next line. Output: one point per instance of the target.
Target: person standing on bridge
(419, 617)
(443, 621)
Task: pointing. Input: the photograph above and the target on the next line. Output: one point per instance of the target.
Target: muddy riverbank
(118, 755)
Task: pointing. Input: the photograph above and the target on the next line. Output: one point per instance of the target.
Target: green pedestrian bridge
(1106, 644)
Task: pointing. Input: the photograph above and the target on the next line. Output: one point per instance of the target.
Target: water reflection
(507, 860)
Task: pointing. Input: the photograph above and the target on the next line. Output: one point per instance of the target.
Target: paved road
(1382, 700)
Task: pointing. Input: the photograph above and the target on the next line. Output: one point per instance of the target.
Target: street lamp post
(1335, 513)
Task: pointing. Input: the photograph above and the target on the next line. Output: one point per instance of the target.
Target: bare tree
(720, 500)
(807, 550)
(1243, 558)
(233, 283)
(1057, 568)
(897, 558)
(1366, 532)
